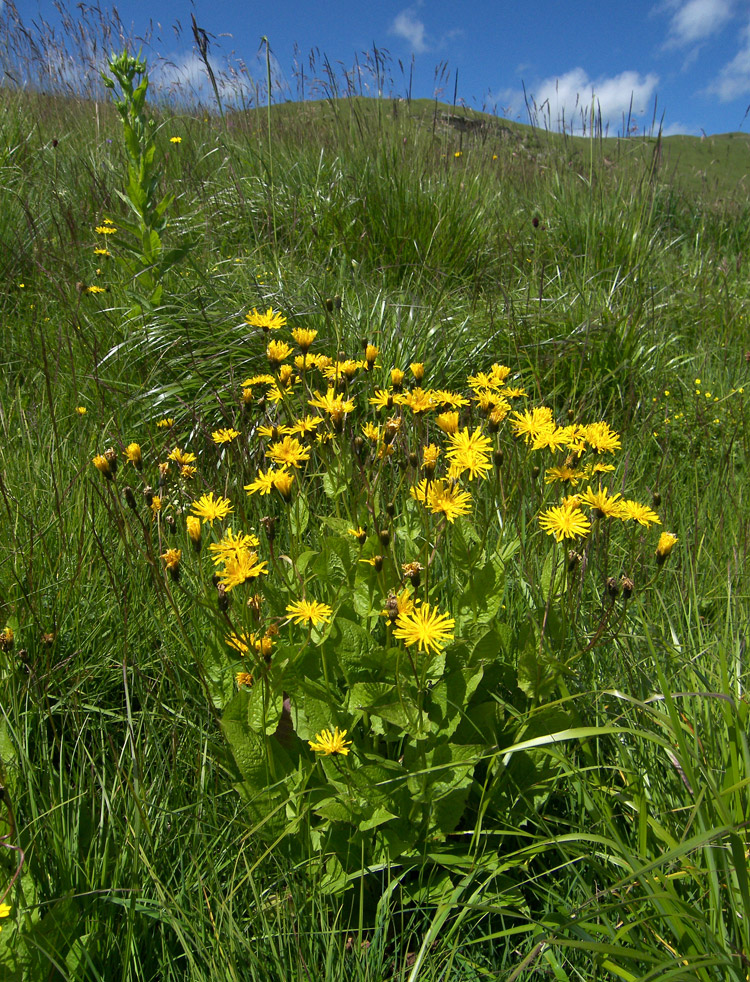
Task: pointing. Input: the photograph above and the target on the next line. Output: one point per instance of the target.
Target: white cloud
(733, 81)
(408, 26)
(567, 99)
(679, 129)
(693, 21)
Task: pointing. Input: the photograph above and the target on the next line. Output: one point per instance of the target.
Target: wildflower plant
(422, 571)
(141, 251)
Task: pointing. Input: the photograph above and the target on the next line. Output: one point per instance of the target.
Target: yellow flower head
(327, 742)
(277, 351)
(172, 558)
(231, 545)
(283, 483)
(209, 508)
(288, 452)
(304, 338)
(268, 321)
(602, 504)
(425, 628)
(133, 453)
(165, 424)
(309, 612)
(102, 465)
(564, 522)
(175, 139)
(194, 529)
(225, 435)
(448, 422)
(639, 513)
(667, 542)
(182, 457)
(81, 410)
(241, 567)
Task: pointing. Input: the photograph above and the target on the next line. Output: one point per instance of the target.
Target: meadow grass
(602, 830)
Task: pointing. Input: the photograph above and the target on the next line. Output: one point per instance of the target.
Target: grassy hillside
(549, 778)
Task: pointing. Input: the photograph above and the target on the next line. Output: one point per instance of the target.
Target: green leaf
(299, 515)
(466, 546)
(538, 674)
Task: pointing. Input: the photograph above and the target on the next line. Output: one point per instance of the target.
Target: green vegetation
(551, 780)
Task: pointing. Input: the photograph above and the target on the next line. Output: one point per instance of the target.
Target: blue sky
(688, 58)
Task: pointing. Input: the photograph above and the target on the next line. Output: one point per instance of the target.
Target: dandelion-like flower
(263, 483)
(639, 513)
(469, 452)
(182, 457)
(175, 139)
(271, 320)
(329, 742)
(241, 567)
(165, 424)
(288, 452)
(667, 542)
(564, 522)
(304, 338)
(448, 422)
(81, 410)
(5, 908)
(209, 508)
(602, 438)
(133, 453)
(102, 465)
(193, 524)
(283, 483)
(172, 559)
(531, 422)
(231, 545)
(442, 497)
(224, 435)
(602, 503)
(277, 351)
(309, 612)
(425, 627)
